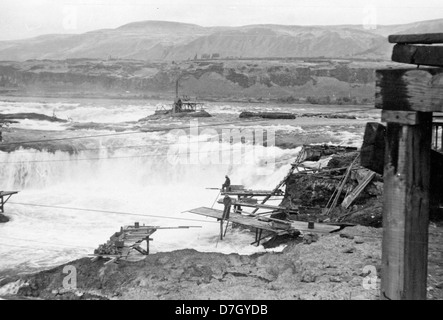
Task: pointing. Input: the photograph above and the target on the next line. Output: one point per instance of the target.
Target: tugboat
(182, 107)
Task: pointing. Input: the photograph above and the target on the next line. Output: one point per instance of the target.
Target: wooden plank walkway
(7, 193)
(235, 218)
(129, 238)
(260, 206)
(268, 224)
(250, 193)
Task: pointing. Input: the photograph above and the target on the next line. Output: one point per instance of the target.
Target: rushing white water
(136, 173)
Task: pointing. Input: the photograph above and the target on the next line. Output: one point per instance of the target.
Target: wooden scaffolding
(129, 238)
(4, 197)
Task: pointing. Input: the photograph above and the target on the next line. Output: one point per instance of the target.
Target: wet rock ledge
(330, 267)
(3, 218)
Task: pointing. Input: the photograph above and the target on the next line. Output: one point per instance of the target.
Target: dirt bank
(331, 268)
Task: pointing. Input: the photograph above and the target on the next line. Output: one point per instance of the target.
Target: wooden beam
(300, 158)
(400, 117)
(372, 153)
(359, 189)
(420, 55)
(140, 249)
(372, 157)
(406, 210)
(410, 89)
(340, 187)
(112, 260)
(426, 38)
(436, 196)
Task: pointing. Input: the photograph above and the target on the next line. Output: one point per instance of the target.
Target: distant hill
(160, 40)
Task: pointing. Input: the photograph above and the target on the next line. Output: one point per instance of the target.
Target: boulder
(267, 115)
(3, 218)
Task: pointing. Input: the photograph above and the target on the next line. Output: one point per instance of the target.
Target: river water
(153, 175)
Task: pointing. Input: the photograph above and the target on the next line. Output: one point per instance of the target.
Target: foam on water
(350, 139)
(39, 125)
(86, 111)
(141, 180)
(154, 175)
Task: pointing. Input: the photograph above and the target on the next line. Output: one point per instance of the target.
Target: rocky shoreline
(331, 267)
(13, 117)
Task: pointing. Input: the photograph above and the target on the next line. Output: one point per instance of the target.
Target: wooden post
(441, 138)
(406, 206)
(176, 89)
(221, 228)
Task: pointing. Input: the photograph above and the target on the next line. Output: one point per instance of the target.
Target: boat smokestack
(176, 89)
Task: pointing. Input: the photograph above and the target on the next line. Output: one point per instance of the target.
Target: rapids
(155, 176)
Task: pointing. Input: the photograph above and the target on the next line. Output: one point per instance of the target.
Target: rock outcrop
(3, 218)
(318, 82)
(267, 115)
(30, 116)
(318, 269)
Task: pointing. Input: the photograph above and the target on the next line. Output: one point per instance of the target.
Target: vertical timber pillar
(406, 205)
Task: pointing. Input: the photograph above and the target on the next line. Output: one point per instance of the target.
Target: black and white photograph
(238, 151)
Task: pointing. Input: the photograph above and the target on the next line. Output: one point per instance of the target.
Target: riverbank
(331, 268)
(336, 266)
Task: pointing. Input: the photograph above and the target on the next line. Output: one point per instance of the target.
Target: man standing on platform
(227, 201)
(227, 185)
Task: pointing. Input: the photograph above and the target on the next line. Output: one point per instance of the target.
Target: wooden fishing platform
(251, 193)
(260, 223)
(239, 204)
(7, 194)
(129, 238)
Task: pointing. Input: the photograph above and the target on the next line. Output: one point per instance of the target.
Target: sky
(28, 18)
